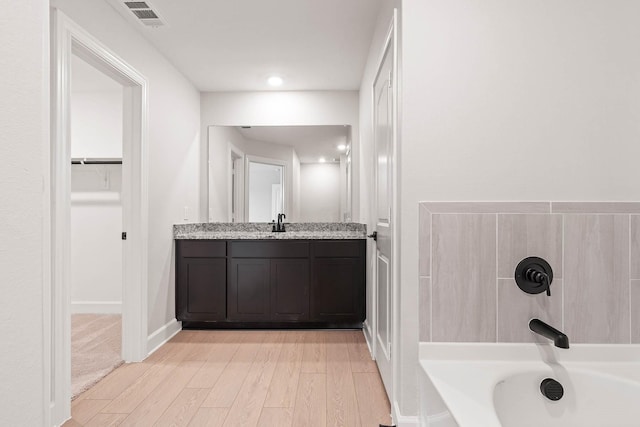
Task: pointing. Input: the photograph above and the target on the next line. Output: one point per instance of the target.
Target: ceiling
(310, 142)
(235, 45)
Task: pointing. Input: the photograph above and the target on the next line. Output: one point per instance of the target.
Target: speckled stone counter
(260, 231)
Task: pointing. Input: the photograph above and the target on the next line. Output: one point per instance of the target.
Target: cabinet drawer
(202, 248)
(338, 249)
(254, 249)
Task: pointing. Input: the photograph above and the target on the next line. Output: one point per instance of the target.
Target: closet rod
(94, 161)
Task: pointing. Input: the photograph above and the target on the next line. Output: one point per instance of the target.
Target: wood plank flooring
(243, 378)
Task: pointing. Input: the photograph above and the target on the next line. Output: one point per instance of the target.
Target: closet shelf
(95, 161)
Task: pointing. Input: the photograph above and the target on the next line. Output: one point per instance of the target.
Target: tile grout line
(564, 276)
(431, 280)
(497, 286)
(629, 266)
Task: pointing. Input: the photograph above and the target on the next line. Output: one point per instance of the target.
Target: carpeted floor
(96, 341)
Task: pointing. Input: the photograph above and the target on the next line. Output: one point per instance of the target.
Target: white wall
(280, 108)
(96, 244)
(174, 144)
(24, 210)
(320, 192)
(96, 124)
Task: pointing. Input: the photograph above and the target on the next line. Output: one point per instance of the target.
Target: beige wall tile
(425, 309)
(516, 308)
(635, 311)
(424, 242)
(635, 246)
(596, 278)
(521, 236)
(464, 277)
(487, 207)
(596, 207)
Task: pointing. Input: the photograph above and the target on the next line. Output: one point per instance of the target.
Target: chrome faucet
(279, 227)
(559, 339)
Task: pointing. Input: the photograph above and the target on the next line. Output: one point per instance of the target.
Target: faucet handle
(534, 275)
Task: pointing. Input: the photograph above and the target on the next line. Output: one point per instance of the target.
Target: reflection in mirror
(256, 172)
(266, 188)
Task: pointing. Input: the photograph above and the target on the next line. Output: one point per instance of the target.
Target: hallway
(243, 378)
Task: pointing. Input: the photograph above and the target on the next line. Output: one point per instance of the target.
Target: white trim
(239, 183)
(97, 307)
(69, 39)
(368, 337)
(396, 224)
(400, 420)
(163, 334)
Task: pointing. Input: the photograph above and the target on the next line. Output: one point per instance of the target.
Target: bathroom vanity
(244, 275)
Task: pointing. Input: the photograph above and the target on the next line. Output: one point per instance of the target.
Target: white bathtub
(487, 385)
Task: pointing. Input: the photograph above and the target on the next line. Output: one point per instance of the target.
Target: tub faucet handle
(534, 275)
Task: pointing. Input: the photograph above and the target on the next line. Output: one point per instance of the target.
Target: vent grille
(144, 11)
(137, 5)
(145, 14)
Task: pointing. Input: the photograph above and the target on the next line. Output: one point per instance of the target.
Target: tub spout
(559, 339)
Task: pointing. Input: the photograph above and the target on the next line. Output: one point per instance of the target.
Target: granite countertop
(262, 231)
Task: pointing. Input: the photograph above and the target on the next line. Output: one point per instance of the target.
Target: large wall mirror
(257, 172)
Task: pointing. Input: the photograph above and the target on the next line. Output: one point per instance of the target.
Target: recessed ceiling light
(275, 81)
(322, 160)
(342, 147)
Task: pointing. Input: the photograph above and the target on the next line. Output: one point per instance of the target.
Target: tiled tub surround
(469, 251)
(252, 230)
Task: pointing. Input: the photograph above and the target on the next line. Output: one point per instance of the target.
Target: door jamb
(69, 39)
(239, 182)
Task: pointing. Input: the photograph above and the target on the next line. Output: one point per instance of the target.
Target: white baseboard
(368, 336)
(96, 307)
(162, 335)
(403, 420)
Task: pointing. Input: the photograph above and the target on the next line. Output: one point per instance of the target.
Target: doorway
(265, 189)
(69, 40)
(96, 122)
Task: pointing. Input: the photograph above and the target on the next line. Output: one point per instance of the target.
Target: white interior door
(384, 138)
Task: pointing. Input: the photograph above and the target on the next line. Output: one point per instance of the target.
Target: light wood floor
(243, 378)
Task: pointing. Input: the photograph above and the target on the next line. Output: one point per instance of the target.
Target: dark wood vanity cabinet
(201, 277)
(338, 281)
(281, 283)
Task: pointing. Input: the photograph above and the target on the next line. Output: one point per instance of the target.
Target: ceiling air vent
(145, 14)
(137, 5)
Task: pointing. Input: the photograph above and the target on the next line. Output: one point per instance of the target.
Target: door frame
(236, 196)
(390, 41)
(67, 39)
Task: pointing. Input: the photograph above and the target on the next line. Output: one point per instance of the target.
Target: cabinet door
(337, 290)
(289, 289)
(248, 290)
(201, 290)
